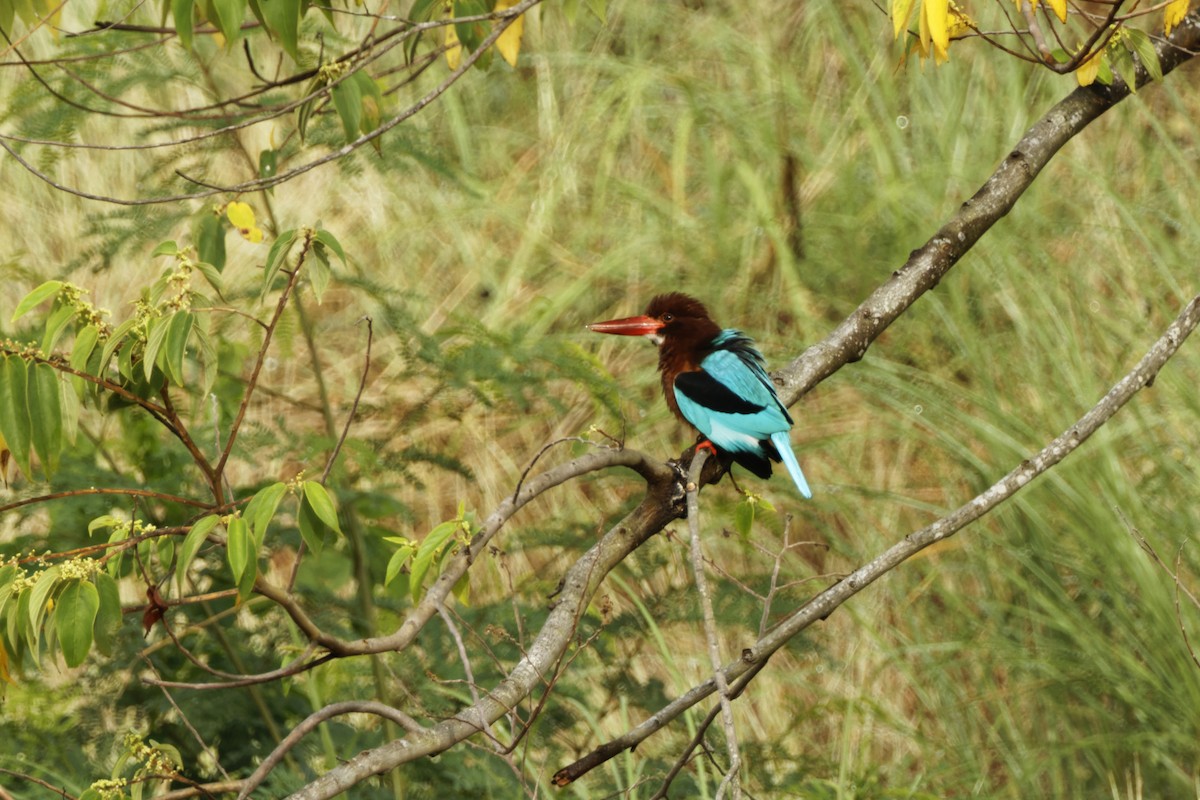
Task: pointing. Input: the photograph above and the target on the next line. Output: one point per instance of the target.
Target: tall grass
(1037, 653)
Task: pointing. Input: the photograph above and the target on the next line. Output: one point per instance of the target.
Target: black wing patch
(704, 389)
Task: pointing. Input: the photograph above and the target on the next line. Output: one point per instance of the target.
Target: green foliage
(1040, 646)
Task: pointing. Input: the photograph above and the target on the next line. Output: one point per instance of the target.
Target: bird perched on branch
(714, 379)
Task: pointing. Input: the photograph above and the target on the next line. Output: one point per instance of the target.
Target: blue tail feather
(783, 444)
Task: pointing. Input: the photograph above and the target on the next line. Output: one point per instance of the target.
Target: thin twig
(711, 634)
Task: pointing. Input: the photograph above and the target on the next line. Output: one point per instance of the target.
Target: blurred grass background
(1036, 654)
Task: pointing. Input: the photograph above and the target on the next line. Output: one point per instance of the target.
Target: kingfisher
(713, 378)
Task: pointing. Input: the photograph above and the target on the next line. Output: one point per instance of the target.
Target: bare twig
(710, 628)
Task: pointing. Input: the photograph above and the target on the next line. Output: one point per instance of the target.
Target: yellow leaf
(241, 215)
(1060, 9)
(509, 43)
(901, 11)
(937, 14)
(1174, 13)
(960, 23)
(1086, 72)
(453, 48)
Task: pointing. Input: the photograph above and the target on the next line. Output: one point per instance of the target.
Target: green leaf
(276, 258)
(1139, 41)
(182, 11)
(429, 549)
(75, 615)
(319, 271)
(305, 111)
(243, 555)
(36, 297)
(175, 346)
(81, 351)
(329, 240)
(1122, 62)
(312, 530)
(743, 517)
(156, 334)
(397, 562)
(46, 583)
(191, 545)
(470, 34)
(240, 550)
(208, 232)
(45, 414)
(15, 425)
(165, 249)
(421, 11)
(347, 99)
(322, 504)
(261, 509)
(211, 274)
(268, 163)
(60, 316)
(282, 19)
(230, 14)
(115, 339)
(108, 618)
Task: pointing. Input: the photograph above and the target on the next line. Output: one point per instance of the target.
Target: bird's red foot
(707, 445)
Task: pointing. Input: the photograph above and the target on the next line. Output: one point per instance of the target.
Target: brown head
(679, 324)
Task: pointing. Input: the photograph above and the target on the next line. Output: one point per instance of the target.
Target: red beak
(629, 326)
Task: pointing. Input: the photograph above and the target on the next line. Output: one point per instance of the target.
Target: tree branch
(929, 263)
(825, 603)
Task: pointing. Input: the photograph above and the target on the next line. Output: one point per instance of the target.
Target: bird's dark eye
(668, 317)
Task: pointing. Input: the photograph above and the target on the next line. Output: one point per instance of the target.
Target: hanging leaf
(268, 163)
(509, 43)
(209, 235)
(421, 11)
(1122, 63)
(36, 297)
(60, 316)
(108, 617)
(901, 10)
(276, 258)
(397, 561)
(175, 346)
(261, 510)
(15, 424)
(81, 351)
(181, 10)
(230, 14)
(347, 99)
(75, 616)
(429, 549)
(1139, 42)
(1059, 7)
(1173, 14)
(241, 216)
(45, 414)
(282, 20)
(191, 545)
(240, 552)
(312, 530)
(45, 585)
(937, 17)
(322, 505)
